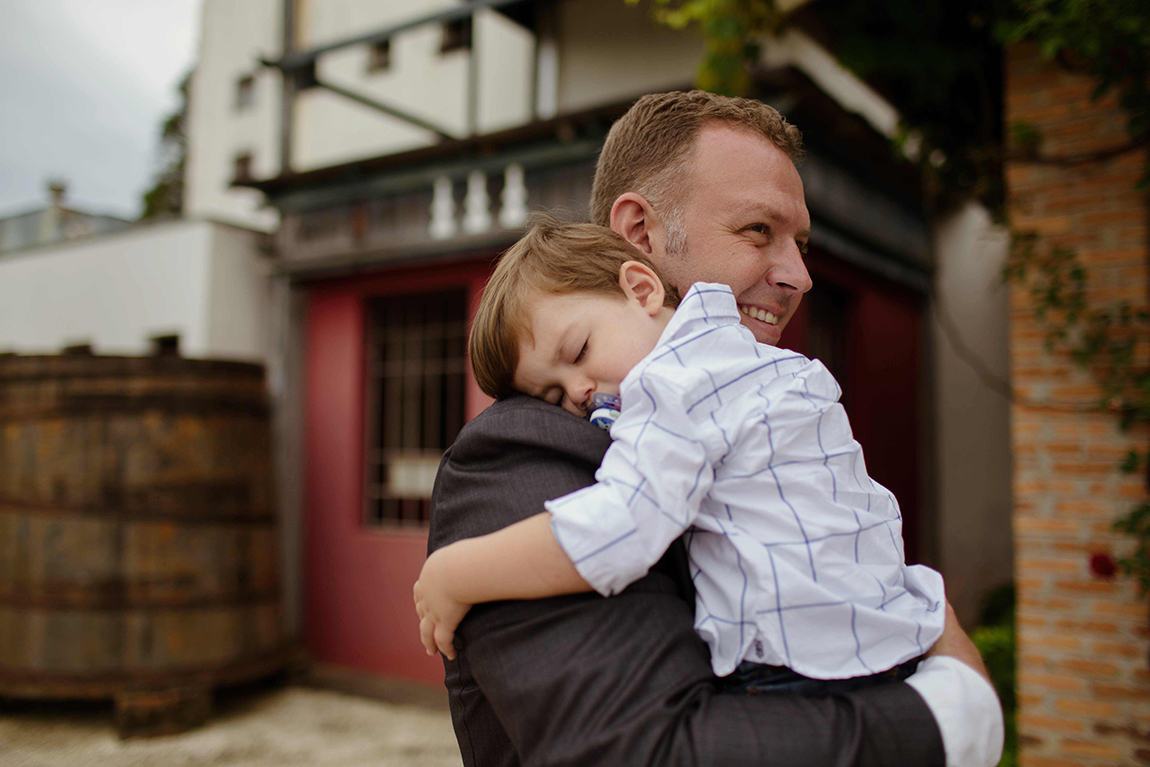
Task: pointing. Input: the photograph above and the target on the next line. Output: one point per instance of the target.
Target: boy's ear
(639, 282)
(633, 218)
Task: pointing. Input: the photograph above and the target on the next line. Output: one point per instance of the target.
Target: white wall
(610, 51)
(118, 291)
(330, 129)
(973, 424)
(235, 36)
(239, 296)
(420, 81)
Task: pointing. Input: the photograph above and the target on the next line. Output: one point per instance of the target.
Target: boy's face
(582, 343)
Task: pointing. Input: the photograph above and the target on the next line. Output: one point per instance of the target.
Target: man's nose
(791, 270)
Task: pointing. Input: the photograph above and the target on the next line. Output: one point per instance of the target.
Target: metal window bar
(416, 382)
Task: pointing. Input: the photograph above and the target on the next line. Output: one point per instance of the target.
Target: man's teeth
(759, 314)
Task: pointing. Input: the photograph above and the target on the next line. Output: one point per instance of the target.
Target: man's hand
(955, 643)
(439, 612)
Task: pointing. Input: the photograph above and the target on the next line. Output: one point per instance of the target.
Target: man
(707, 188)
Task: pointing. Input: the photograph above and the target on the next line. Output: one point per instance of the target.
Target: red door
(365, 536)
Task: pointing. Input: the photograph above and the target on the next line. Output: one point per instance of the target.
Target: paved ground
(272, 727)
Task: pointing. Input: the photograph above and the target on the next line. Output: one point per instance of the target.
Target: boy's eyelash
(582, 351)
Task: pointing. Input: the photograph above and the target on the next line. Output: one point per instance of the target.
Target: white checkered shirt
(796, 554)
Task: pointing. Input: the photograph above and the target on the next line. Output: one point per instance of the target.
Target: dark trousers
(760, 679)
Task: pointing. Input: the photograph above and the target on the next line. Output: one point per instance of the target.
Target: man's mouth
(759, 314)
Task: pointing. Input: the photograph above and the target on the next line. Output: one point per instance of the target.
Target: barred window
(416, 362)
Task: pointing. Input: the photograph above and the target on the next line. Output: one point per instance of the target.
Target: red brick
(1040, 722)
(1088, 668)
(1090, 749)
(1033, 681)
(1087, 707)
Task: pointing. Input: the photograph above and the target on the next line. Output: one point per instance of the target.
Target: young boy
(796, 554)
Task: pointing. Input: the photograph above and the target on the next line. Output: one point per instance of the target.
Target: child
(796, 554)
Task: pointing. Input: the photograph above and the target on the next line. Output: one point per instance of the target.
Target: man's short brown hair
(552, 257)
(647, 149)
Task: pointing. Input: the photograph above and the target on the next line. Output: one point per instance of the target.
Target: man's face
(745, 225)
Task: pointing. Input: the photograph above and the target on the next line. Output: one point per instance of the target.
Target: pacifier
(604, 410)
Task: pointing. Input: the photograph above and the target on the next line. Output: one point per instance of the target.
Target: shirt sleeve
(649, 486)
(966, 709)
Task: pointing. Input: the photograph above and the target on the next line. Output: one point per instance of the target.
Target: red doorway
(359, 563)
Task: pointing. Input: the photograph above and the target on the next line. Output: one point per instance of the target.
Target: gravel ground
(278, 727)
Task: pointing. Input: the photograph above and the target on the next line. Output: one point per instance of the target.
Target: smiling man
(707, 187)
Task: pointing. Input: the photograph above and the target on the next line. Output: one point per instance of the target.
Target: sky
(84, 88)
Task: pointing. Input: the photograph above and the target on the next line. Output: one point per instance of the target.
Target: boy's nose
(579, 393)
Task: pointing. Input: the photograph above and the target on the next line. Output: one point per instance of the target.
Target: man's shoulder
(506, 462)
(521, 422)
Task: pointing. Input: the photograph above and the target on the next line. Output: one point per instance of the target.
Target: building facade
(397, 148)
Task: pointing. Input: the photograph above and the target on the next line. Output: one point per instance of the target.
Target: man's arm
(583, 680)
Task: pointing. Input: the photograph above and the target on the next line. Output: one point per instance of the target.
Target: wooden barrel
(138, 550)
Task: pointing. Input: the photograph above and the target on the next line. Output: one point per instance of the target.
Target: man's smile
(757, 313)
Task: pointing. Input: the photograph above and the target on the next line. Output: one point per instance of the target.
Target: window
(379, 56)
(416, 360)
(242, 167)
(456, 36)
(166, 346)
(305, 77)
(245, 93)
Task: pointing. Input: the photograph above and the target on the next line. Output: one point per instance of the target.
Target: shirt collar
(705, 304)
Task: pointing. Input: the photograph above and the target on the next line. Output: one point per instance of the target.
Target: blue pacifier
(604, 410)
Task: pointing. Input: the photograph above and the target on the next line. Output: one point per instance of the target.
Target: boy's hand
(439, 612)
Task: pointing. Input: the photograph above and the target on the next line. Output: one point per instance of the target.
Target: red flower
(1103, 565)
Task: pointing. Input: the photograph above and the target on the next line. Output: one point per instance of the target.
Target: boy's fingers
(443, 639)
(427, 635)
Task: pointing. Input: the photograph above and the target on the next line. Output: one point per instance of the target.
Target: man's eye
(763, 229)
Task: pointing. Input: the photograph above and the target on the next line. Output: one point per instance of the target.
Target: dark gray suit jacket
(582, 680)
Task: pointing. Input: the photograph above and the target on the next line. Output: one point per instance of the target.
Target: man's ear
(639, 282)
(633, 218)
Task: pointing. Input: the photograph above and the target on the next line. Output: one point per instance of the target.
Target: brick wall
(1084, 684)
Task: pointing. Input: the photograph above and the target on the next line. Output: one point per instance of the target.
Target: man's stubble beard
(675, 251)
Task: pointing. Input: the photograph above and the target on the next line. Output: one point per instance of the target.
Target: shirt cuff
(966, 709)
(599, 538)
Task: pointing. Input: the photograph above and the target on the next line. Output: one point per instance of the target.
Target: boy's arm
(521, 561)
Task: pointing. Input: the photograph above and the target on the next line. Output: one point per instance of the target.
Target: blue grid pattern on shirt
(713, 308)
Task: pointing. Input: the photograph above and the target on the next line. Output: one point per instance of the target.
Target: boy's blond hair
(647, 150)
(553, 257)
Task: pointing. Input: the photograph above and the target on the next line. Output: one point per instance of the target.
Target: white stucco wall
(239, 296)
(203, 281)
(234, 37)
(420, 81)
(330, 129)
(973, 418)
(610, 51)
